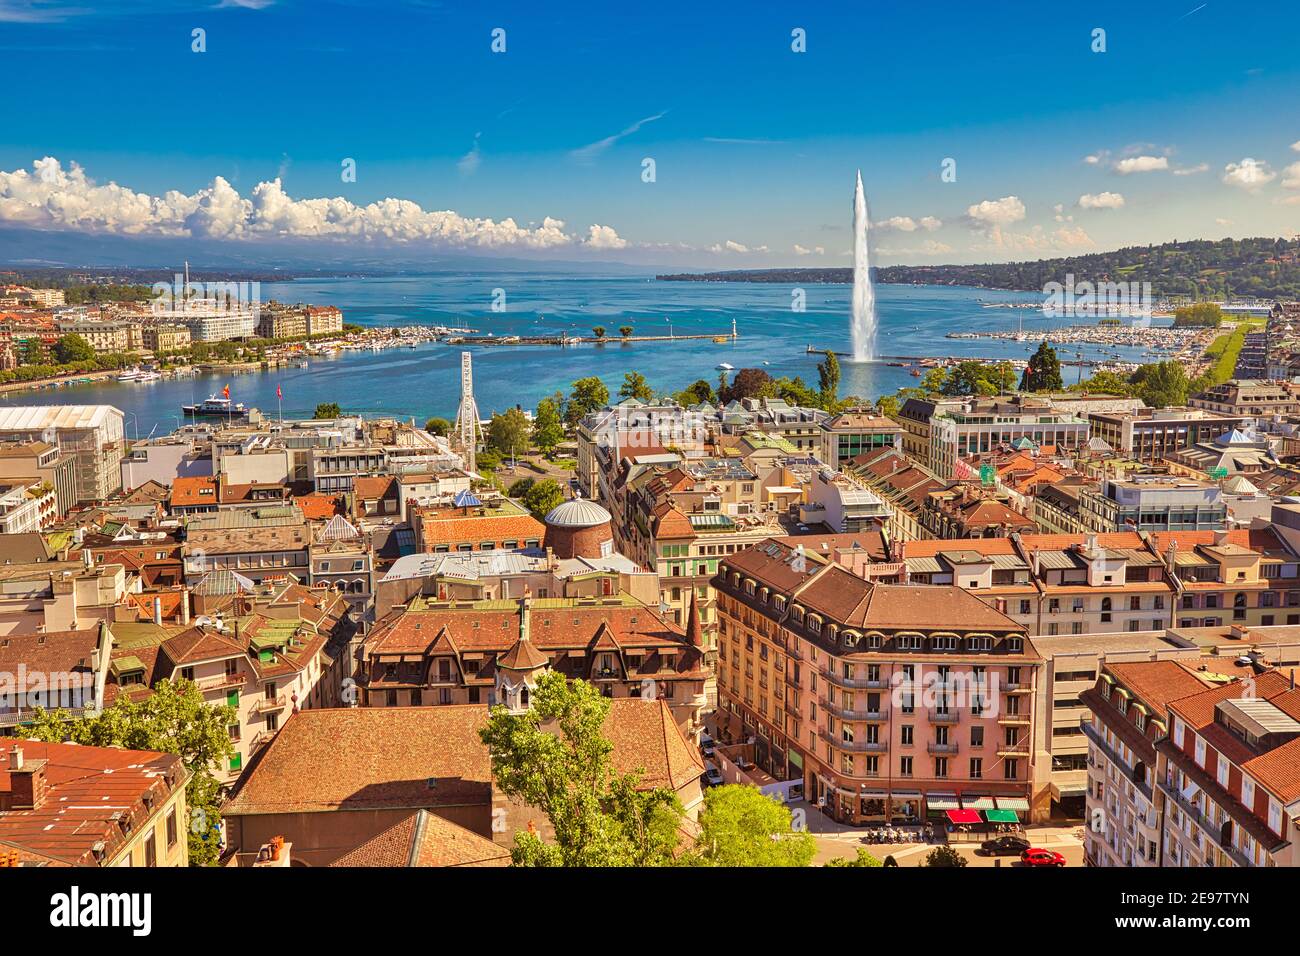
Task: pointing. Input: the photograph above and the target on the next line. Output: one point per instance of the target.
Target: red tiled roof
(426, 839)
(187, 492)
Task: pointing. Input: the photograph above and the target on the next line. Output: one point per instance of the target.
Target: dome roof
(578, 513)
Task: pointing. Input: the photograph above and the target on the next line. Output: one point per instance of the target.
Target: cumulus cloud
(51, 197)
(1291, 177)
(1296, 146)
(1105, 200)
(1223, 222)
(1192, 170)
(805, 251)
(1248, 174)
(997, 212)
(1141, 164)
(604, 237)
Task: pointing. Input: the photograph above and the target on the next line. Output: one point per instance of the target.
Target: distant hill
(1267, 268)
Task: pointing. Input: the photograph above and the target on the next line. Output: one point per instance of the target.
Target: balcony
(845, 714)
(1099, 741)
(944, 716)
(1212, 830)
(220, 682)
(261, 740)
(839, 680)
(265, 705)
(11, 717)
(936, 748)
(1020, 749)
(854, 746)
(1014, 720)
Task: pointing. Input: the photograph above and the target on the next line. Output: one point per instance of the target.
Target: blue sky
(1183, 128)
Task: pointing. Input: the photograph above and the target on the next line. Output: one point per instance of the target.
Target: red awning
(963, 816)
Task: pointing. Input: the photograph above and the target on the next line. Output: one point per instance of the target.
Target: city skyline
(980, 138)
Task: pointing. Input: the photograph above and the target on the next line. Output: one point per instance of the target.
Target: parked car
(1004, 846)
(1035, 856)
(713, 776)
(706, 745)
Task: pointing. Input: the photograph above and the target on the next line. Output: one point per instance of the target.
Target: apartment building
(161, 338)
(904, 485)
(887, 702)
(474, 524)
(1227, 774)
(1128, 714)
(492, 652)
(1151, 434)
(262, 544)
(980, 425)
(1153, 503)
(1247, 398)
(854, 432)
(105, 336)
(42, 462)
(73, 805)
(93, 436)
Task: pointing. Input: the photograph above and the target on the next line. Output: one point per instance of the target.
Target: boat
(215, 407)
(725, 367)
(130, 375)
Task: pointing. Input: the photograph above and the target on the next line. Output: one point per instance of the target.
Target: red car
(1037, 857)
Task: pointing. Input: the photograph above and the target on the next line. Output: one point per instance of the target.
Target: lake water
(425, 381)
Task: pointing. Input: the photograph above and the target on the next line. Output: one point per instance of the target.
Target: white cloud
(1141, 164)
(1097, 158)
(589, 153)
(1223, 222)
(1248, 174)
(730, 246)
(1105, 200)
(1296, 146)
(908, 224)
(930, 223)
(997, 212)
(52, 197)
(469, 163)
(1291, 177)
(604, 237)
(1192, 170)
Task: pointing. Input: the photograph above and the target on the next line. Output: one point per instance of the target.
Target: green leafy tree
(889, 405)
(828, 380)
(796, 392)
(1161, 384)
(1043, 373)
(748, 383)
(742, 826)
(1200, 315)
(588, 395)
(327, 410)
(862, 859)
(173, 719)
(625, 330)
(598, 331)
(438, 426)
(548, 429)
(510, 432)
(555, 757)
(521, 487)
(695, 393)
(944, 856)
(72, 348)
(543, 496)
(1104, 383)
(635, 386)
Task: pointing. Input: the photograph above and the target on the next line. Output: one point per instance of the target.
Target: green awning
(1001, 816)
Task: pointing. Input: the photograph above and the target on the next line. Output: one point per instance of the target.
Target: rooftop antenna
(468, 428)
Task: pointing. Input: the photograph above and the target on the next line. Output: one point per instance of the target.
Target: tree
(439, 426)
(1104, 383)
(796, 392)
(548, 429)
(598, 331)
(1200, 315)
(72, 348)
(828, 380)
(510, 432)
(625, 330)
(742, 826)
(695, 393)
(635, 386)
(862, 859)
(173, 719)
(944, 856)
(543, 496)
(588, 395)
(889, 405)
(555, 757)
(748, 383)
(520, 487)
(327, 410)
(1043, 373)
(1162, 384)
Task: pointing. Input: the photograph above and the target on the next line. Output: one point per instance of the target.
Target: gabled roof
(426, 839)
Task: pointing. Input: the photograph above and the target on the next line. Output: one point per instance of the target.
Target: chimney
(27, 786)
(87, 559)
(185, 605)
(157, 611)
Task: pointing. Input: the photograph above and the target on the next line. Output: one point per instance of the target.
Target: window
(976, 768)
(1200, 751)
(171, 828)
(151, 848)
(905, 767)
(1248, 792)
(1011, 769)
(1275, 816)
(906, 735)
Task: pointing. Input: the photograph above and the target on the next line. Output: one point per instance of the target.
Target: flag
(278, 393)
(226, 391)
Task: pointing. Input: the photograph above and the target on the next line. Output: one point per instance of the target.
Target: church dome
(578, 513)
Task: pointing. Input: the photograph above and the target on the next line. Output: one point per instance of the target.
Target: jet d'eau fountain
(863, 323)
